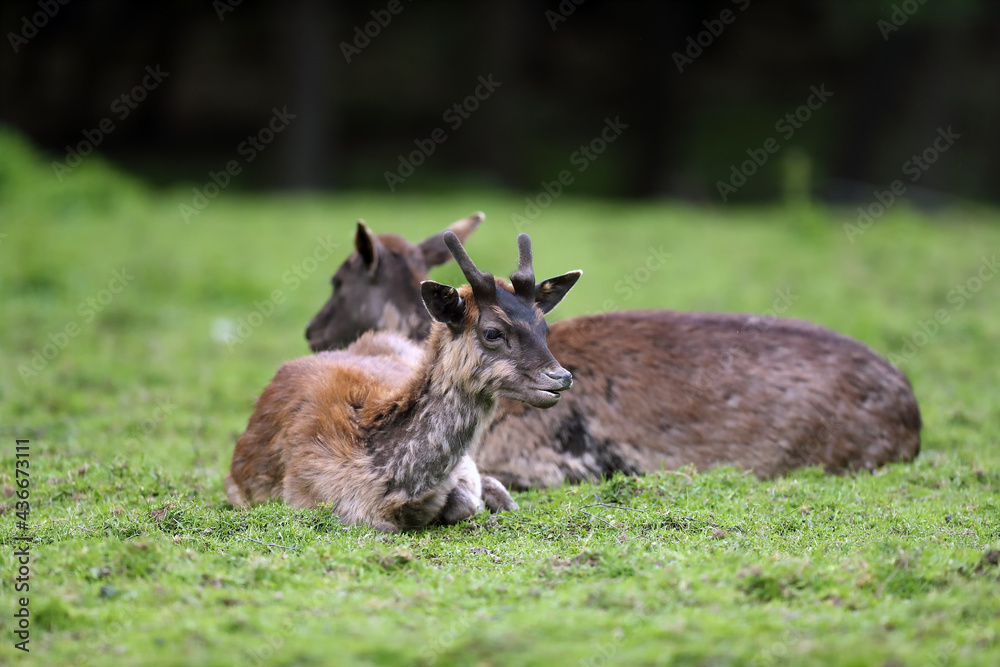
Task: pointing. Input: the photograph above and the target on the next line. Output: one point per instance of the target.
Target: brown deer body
(660, 389)
(381, 431)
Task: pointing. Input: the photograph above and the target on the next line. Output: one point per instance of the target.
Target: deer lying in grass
(381, 431)
(655, 389)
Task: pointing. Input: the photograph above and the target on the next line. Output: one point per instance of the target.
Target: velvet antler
(523, 279)
(483, 286)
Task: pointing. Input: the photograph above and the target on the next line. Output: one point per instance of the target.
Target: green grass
(138, 558)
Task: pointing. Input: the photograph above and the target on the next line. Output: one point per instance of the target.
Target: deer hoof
(496, 497)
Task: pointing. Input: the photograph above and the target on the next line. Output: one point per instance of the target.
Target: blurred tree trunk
(503, 27)
(656, 99)
(309, 154)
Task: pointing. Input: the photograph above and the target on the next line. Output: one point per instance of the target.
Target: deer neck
(420, 434)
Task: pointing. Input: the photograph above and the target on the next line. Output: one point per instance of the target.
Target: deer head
(378, 287)
(503, 326)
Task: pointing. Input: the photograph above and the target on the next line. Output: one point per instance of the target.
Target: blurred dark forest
(698, 93)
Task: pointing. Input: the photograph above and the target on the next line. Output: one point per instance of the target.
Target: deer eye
(492, 334)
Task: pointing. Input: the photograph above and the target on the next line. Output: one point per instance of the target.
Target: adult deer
(655, 389)
(381, 431)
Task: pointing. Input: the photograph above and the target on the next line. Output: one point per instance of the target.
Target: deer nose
(563, 377)
(313, 337)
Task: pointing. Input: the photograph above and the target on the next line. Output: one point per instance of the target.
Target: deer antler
(523, 279)
(483, 286)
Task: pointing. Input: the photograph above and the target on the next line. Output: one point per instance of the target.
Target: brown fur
(380, 431)
(661, 389)
(657, 390)
(397, 268)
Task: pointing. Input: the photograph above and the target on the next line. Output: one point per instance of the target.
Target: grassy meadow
(133, 343)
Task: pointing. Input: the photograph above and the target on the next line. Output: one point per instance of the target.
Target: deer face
(378, 287)
(505, 326)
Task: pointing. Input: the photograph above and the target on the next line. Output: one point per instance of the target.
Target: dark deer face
(504, 326)
(378, 287)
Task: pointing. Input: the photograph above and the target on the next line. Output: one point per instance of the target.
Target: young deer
(382, 430)
(657, 389)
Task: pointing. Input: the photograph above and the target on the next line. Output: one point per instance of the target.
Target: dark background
(891, 92)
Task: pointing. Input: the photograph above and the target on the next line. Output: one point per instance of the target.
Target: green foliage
(138, 559)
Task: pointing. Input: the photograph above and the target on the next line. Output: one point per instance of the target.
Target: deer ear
(367, 245)
(549, 293)
(444, 304)
(434, 249)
